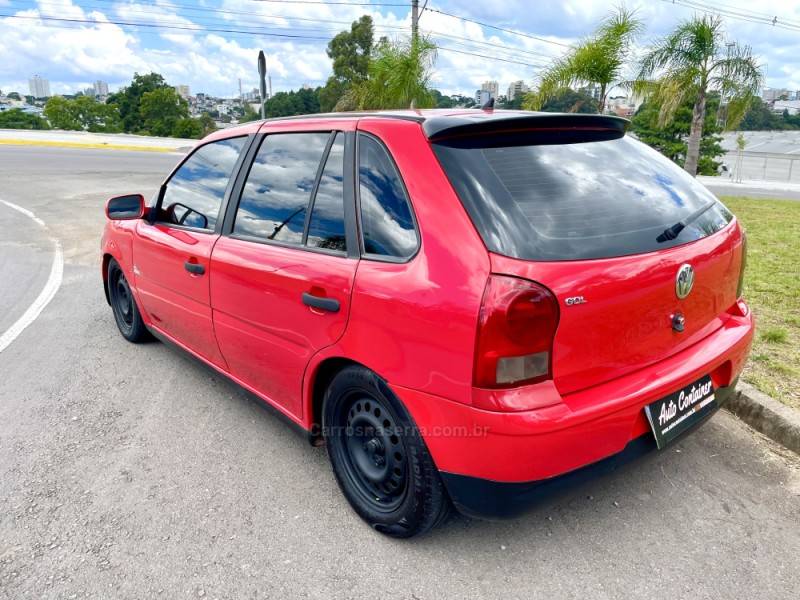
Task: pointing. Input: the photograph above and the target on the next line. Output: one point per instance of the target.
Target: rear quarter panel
(414, 323)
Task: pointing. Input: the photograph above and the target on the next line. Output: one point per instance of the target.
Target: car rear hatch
(612, 228)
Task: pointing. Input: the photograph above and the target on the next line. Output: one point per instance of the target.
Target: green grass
(772, 288)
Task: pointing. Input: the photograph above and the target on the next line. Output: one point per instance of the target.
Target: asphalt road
(133, 472)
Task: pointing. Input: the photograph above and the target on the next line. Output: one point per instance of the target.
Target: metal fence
(765, 166)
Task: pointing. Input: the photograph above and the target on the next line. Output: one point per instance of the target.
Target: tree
(161, 109)
(207, 124)
(597, 60)
(61, 114)
(249, 114)
(285, 104)
(399, 74)
(670, 139)
(16, 118)
(187, 128)
(82, 113)
(690, 62)
(570, 101)
(760, 117)
(14, 96)
(350, 52)
(129, 99)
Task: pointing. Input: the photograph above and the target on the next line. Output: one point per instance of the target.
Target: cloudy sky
(213, 43)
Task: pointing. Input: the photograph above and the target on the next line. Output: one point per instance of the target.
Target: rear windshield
(576, 201)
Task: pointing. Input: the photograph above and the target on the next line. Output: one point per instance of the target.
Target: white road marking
(47, 293)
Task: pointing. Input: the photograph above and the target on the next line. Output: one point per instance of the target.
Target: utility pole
(414, 21)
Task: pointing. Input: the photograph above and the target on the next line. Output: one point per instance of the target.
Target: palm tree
(399, 74)
(689, 63)
(598, 60)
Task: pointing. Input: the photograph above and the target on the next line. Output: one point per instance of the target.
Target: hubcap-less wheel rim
(373, 452)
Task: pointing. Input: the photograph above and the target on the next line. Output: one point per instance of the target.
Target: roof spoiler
(497, 122)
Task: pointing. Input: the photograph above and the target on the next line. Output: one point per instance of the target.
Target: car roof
(447, 122)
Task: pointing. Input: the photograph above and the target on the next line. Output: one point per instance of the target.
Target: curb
(766, 415)
(91, 146)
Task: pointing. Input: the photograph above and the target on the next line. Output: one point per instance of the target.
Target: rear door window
(278, 188)
(387, 224)
(577, 200)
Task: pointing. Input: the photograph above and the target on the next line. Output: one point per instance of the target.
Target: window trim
(356, 164)
(248, 141)
(313, 198)
(349, 216)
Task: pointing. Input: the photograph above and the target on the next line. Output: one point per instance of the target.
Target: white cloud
(72, 54)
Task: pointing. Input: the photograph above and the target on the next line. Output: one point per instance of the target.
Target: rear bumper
(482, 450)
(487, 499)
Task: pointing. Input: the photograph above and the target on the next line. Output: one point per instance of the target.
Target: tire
(126, 313)
(379, 458)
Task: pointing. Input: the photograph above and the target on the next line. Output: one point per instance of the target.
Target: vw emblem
(684, 281)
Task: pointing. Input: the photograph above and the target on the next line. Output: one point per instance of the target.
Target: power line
(448, 49)
(160, 26)
(217, 25)
(738, 14)
(405, 5)
(512, 31)
(73, 22)
(141, 9)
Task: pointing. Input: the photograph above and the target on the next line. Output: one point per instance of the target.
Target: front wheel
(126, 313)
(379, 458)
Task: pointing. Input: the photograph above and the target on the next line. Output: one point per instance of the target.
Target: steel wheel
(381, 462)
(375, 459)
(123, 304)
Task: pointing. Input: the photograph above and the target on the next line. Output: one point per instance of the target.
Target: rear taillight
(516, 326)
(740, 286)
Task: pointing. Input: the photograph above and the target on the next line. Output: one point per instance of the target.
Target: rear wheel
(379, 458)
(126, 313)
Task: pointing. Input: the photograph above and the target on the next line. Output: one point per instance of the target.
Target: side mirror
(124, 208)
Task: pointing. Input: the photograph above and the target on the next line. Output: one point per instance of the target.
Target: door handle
(194, 268)
(328, 304)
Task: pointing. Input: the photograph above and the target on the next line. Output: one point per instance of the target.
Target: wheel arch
(107, 256)
(321, 375)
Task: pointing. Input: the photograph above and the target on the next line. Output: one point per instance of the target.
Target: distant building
(40, 87)
(492, 87)
(791, 106)
(516, 88)
(183, 91)
(772, 94)
(622, 106)
(100, 88)
(593, 91)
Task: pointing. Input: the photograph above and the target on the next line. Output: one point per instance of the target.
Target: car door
(172, 249)
(283, 270)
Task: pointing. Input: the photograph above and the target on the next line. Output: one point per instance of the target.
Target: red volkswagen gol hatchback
(467, 307)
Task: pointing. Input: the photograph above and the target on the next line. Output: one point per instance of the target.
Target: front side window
(326, 226)
(278, 189)
(194, 194)
(387, 225)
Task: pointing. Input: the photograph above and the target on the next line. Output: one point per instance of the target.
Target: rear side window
(193, 196)
(577, 200)
(326, 226)
(387, 224)
(278, 189)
